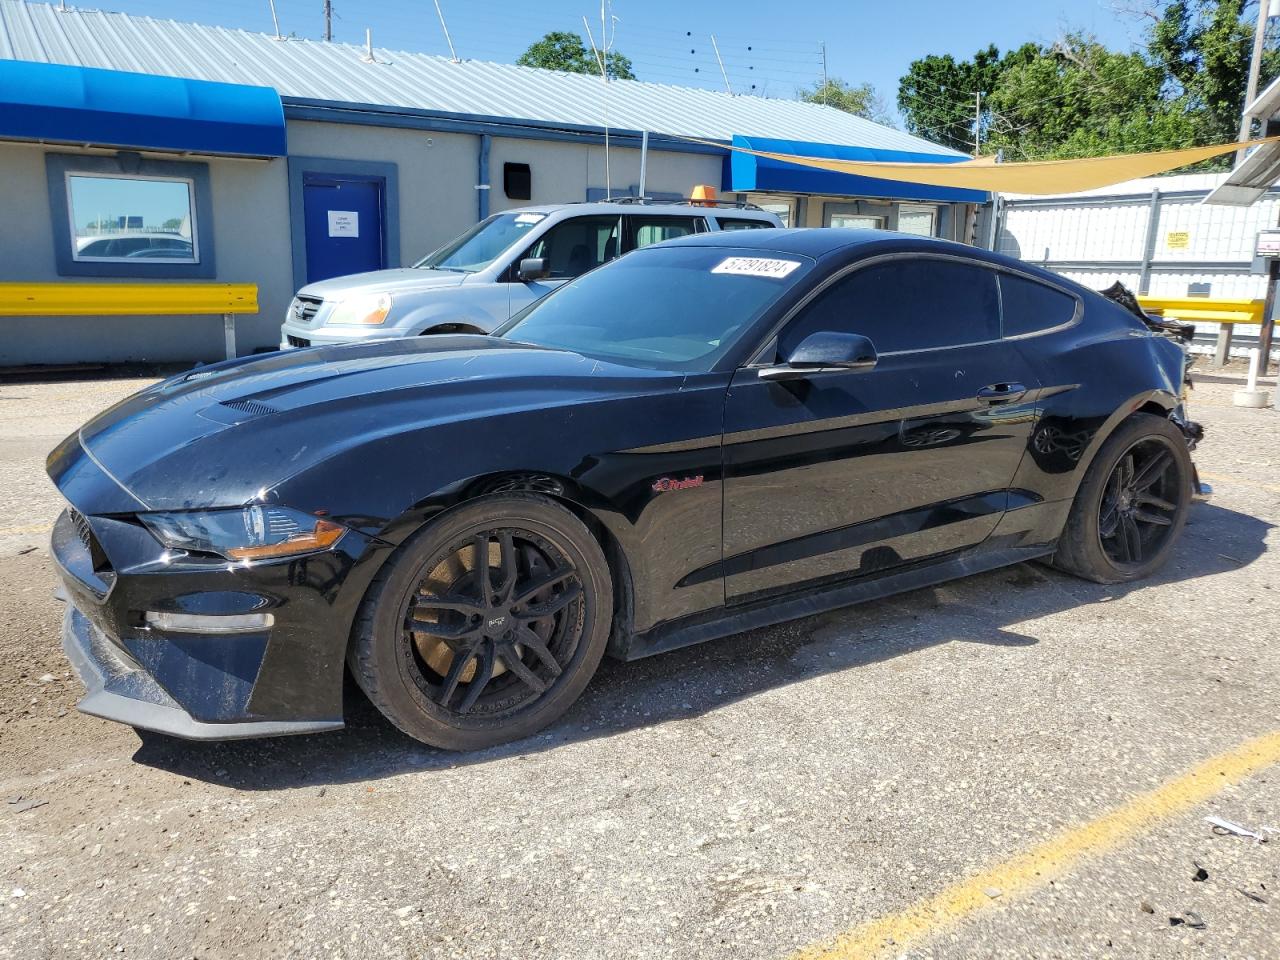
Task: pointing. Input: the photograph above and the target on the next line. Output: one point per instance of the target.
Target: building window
(917, 219)
(855, 221)
(784, 210)
(117, 219)
(517, 181)
(123, 216)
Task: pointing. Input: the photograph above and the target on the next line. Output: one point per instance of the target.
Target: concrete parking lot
(1000, 767)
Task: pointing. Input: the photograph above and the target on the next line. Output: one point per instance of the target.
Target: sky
(768, 48)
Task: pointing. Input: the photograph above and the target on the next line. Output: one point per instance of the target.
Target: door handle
(1001, 392)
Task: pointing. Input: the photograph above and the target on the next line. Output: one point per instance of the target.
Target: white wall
(562, 171)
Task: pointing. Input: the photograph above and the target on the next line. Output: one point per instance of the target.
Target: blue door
(344, 225)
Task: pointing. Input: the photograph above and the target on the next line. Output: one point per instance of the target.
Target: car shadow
(696, 680)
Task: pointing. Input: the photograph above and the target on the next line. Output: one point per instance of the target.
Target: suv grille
(298, 341)
(306, 308)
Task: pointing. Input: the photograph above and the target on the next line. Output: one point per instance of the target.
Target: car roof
(822, 242)
(674, 208)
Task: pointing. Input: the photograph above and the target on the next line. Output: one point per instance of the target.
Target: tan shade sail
(1034, 177)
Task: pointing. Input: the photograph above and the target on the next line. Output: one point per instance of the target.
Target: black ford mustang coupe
(706, 435)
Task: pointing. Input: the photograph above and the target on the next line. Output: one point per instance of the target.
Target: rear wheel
(1132, 505)
(485, 626)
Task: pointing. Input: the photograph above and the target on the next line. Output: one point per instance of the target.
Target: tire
(462, 669)
(1098, 542)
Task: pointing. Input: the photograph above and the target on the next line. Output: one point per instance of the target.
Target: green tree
(1075, 97)
(565, 51)
(938, 95)
(1079, 99)
(861, 100)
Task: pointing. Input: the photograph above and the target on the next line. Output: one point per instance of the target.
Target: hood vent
(232, 412)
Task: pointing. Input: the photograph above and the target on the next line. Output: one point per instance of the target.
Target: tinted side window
(656, 229)
(728, 224)
(905, 305)
(575, 246)
(1030, 306)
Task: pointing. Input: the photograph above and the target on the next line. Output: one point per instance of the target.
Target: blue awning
(111, 108)
(750, 173)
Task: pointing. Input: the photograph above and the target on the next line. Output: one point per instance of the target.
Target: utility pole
(328, 21)
(824, 73)
(977, 123)
(1255, 65)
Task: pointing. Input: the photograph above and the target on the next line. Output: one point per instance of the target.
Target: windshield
(674, 308)
(480, 246)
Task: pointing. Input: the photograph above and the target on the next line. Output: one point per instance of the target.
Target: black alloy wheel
(492, 624)
(486, 624)
(1131, 505)
(1140, 502)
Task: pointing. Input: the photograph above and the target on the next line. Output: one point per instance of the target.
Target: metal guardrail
(1225, 312)
(132, 300)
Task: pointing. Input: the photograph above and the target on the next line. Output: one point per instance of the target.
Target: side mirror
(824, 352)
(533, 268)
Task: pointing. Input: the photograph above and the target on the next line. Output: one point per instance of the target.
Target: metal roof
(342, 73)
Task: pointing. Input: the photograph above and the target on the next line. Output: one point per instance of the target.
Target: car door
(571, 248)
(853, 472)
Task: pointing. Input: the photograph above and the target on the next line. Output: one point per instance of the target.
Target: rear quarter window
(740, 223)
(1031, 307)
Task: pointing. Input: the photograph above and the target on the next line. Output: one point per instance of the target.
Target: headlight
(362, 310)
(254, 533)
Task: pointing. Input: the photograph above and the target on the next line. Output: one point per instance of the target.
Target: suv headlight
(253, 533)
(359, 311)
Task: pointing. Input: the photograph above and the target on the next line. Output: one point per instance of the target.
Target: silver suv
(499, 266)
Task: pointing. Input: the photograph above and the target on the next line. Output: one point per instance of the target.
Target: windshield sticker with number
(530, 217)
(755, 267)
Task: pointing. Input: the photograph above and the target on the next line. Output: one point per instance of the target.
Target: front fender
(482, 307)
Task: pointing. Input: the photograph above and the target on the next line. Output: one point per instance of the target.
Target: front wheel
(1132, 504)
(486, 625)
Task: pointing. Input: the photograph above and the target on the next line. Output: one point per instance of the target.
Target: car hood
(228, 434)
(405, 280)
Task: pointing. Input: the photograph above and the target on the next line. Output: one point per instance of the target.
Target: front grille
(306, 308)
(298, 341)
(80, 554)
(83, 531)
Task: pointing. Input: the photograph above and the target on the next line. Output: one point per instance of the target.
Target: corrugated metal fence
(1155, 236)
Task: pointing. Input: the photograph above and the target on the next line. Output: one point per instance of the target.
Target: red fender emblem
(667, 484)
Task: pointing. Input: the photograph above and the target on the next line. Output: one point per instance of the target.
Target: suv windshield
(480, 246)
(673, 308)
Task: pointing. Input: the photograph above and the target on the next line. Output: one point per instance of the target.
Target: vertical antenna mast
(328, 21)
(824, 73)
(453, 54)
(274, 18)
(601, 60)
(716, 47)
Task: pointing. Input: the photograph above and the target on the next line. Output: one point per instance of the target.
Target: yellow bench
(1225, 312)
(73, 299)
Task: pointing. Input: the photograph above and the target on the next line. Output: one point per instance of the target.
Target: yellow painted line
(1223, 478)
(1034, 868)
(72, 299)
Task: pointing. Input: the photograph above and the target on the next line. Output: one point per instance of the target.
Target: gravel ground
(740, 799)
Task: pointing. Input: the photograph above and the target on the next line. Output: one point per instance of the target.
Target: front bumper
(285, 678)
(293, 335)
(120, 690)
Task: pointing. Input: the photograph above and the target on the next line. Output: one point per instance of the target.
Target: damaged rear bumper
(120, 690)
